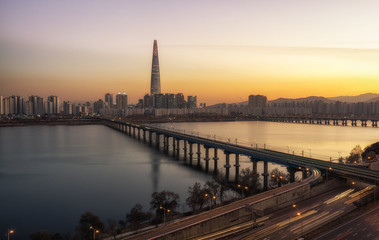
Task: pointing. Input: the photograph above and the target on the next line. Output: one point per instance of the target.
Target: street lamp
(95, 231)
(10, 231)
(164, 214)
(210, 200)
(242, 188)
(278, 179)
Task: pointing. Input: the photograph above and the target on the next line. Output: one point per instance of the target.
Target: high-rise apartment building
(192, 101)
(108, 100)
(257, 101)
(52, 105)
(99, 104)
(159, 101)
(147, 101)
(155, 86)
(170, 100)
(180, 101)
(37, 105)
(67, 108)
(121, 100)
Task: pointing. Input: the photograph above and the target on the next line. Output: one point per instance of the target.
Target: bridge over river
(188, 143)
(315, 178)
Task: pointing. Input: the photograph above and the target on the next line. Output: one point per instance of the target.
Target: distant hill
(309, 99)
(373, 100)
(367, 97)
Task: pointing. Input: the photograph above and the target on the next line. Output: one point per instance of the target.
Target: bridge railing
(240, 142)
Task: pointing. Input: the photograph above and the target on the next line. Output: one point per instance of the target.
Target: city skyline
(217, 50)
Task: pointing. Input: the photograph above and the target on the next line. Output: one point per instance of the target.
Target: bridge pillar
(150, 138)
(134, 132)
(227, 165)
(190, 152)
(177, 148)
(254, 161)
(215, 158)
(237, 165)
(265, 175)
(374, 123)
(292, 172)
(173, 147)
(185, 150)
(157, 140)
(144, 135)
(364, 123)
(206, 159)
(139, 135)
(198, 155)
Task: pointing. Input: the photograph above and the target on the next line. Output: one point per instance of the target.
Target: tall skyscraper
(121, 100)
(109, 100)
(155, 76)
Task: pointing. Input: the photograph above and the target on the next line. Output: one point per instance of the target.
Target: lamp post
(210, 200)
(278, 179)
(10, 231)
(95, 231)
(242, 188)
(164, 214)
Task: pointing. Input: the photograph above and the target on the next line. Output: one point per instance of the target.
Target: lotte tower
(155, 87)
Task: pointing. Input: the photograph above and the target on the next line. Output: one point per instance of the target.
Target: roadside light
(97, 231)
(160, 207)
(239, 185)
(298, 214)
(246, 188)
(11, 231)
(330, 168)
(299, 168)
(294, 205)
(168, 210)
(214, 197)
(281, 177)
(273, 175)
(307, 169)
(355, 161)
(206, 195)
(91, 227)
(353, 183)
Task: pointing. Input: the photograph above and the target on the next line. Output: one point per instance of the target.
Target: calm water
(50, 175)
(319, 141)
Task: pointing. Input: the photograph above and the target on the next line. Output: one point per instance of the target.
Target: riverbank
(53, 122)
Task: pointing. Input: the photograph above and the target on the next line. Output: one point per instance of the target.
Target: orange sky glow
(218, 50)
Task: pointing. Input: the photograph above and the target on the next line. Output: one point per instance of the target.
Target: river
(50, 175)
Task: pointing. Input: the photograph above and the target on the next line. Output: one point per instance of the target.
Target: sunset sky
(219, 50)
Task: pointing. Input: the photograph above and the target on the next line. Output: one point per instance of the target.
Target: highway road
(196, 219)
(365, 226)
(287, 224)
